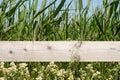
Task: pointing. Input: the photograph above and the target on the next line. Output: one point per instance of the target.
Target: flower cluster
(52, 71)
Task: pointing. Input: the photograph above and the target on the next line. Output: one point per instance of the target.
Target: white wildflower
(83, 78)
(26, 71)
(22, 65)
(78, 79)
(13, 68)
(71, 77)
(2, 78)
(84, 74)
(110, 77)
(96, 74)
(40, 73)
(12, 64)
(2, 65)
(91, 70)
(39, 78)
(114, 69)
(119, 63)
(35, 69)
(82, 71)
(51, 64)
(89, 66)
(5, 70)
(61, 73)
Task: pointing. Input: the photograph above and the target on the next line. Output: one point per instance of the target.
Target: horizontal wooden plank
(61, 51)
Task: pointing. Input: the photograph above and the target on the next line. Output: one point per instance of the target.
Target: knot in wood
(49, 47)
(10, 51)
(25, 49)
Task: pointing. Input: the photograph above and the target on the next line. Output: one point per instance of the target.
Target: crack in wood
(115, 49)
(75, 52)
(78, 45)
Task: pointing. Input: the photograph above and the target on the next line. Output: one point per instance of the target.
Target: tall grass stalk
(26, 20)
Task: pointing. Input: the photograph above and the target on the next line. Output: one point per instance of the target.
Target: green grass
(24, 20)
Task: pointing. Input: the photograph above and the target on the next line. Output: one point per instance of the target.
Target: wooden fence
(60, 51)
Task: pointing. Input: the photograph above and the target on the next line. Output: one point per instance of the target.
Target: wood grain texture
(60, 51)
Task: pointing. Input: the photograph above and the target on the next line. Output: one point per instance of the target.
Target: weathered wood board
(60, 51)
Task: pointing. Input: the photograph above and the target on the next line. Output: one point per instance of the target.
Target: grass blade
(59, 8)
(99, 24)
(44, 9)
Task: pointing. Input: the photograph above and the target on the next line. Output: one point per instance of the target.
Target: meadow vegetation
(53, 20)
(60, 71)
(25, 20)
